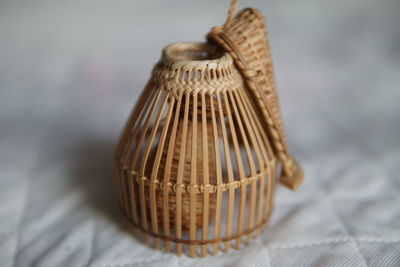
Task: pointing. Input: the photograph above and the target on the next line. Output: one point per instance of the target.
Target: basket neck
(195, 61)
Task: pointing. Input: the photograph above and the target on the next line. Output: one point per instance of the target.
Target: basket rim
(215, 59)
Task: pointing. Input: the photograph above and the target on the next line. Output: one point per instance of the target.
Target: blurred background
(71, 71)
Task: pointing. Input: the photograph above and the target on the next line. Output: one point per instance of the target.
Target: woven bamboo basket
(197, 161)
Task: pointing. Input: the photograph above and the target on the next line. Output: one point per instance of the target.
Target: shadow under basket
(196, 171)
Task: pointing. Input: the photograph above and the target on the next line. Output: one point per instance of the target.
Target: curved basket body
(196, 171)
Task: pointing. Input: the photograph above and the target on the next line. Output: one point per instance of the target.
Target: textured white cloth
(70, 72)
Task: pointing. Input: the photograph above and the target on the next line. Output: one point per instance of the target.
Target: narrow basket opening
(192, 51)
(193, 55)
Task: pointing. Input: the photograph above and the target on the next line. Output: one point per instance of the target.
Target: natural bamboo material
(245, 38)
(196, 162)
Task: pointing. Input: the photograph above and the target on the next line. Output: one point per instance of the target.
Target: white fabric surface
(70, 72)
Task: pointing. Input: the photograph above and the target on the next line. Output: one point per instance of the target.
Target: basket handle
(292, 174)
(231, 12)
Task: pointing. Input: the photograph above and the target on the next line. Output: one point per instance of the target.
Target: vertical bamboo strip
(206, 181)
(271, 189)
(120, 189)
(179, 181)
(167, 172)
(250, 223)
(132, 185)
(193, 180)
(217, 224)
(125, 205)
(231, 190)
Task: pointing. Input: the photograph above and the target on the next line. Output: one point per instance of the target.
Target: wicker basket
(195, 166)
(198, 159)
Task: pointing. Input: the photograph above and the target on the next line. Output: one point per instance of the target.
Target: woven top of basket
(195, 56)
(195, 67)
(245, 38)
(194, 125)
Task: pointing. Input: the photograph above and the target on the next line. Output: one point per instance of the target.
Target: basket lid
(245, 38)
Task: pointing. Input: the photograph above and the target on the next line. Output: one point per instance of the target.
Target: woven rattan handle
(231, 13)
